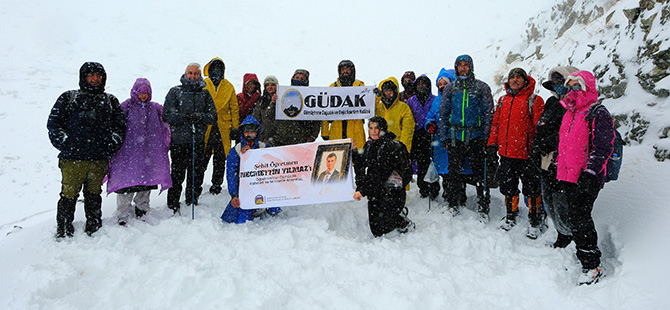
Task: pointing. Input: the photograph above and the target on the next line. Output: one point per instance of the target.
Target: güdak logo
(291, 103)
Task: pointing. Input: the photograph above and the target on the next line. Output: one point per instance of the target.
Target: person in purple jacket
(583, 150)
(142, 162)
(420, 104)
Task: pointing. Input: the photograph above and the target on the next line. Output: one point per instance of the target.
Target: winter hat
(518, 72)
(557, 75)
(410, 75)
(270, 79)
(381, 123)
(301, 71)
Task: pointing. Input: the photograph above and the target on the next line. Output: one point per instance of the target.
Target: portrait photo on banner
(331, 163)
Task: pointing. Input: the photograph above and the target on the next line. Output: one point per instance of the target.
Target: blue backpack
(615, 161)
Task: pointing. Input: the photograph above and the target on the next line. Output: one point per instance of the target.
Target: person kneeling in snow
(382, 172)
(249, 131)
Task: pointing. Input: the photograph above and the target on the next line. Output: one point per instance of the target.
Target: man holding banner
(342, 129)
(249, 130)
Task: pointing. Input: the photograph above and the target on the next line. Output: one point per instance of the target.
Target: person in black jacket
(545, 144)
(188, 109)
(87, 126)
(382, 172)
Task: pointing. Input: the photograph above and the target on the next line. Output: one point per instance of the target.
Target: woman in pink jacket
(583, 151)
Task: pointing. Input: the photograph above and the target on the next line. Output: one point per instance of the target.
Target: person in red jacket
(512, 131)
(249, 96)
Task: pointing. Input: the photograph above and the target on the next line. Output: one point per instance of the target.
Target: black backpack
(616, 159)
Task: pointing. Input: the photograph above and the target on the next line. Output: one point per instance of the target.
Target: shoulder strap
(73, 95)
(531, 102)
(500, 101)
(592, 113)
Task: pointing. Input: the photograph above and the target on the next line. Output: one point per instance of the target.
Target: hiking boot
(274, 211)
(139, 213)
(410, 227)
(215, 189)
(93, 210)
(453, 210)
(536, 231)
(509, 221)
(65, 217)
(561, 241)
(591, 276)
(484, 218)
(175, 208)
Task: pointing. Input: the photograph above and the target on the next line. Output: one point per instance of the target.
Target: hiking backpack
(615, 160)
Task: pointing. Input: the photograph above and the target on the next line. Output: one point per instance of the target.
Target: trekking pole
(193, 174)
(430, 185)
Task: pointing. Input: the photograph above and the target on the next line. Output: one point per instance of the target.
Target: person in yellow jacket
(352, 128)
(217, 137)
(397, 114)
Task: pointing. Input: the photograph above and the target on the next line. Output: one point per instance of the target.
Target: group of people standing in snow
(462, 134)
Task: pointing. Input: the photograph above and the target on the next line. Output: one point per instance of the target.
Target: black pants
(182, 156)
(474, 151)
(421, 154)
(512, 170)
(215, 147)
(581, 197)
(384, 211)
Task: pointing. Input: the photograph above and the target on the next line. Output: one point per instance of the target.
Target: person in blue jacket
(249, 133)
(440, 157)
(466, 112)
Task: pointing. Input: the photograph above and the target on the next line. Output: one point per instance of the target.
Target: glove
(377, 92)
(491, 149)
(234, 134)
(446, 143)
(587, 180)
(194, 117)
(432, 127)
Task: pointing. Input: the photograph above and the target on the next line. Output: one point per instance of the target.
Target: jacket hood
(250, 120)
(205, 71)
(88, 68)
(397, 88)
(563, 71)
(468, 60)
(444, 73)
(249, 77)
(141, 85)
(197, 84)
(392, 79)
(350, 80)
(578, 100)
(423, 77)
(526, 91)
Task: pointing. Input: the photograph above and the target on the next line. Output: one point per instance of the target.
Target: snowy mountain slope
(629, 57)
(313, 256)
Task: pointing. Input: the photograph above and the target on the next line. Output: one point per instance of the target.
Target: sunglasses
(575, 87)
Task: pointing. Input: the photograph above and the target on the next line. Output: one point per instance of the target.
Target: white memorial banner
(308, 173)
(324, 103)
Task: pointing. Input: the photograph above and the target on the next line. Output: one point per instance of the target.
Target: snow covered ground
(309, 257)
